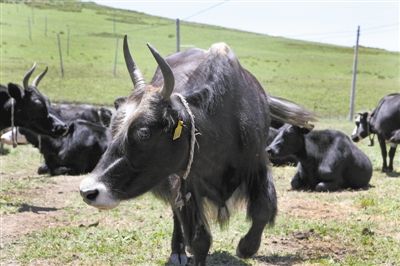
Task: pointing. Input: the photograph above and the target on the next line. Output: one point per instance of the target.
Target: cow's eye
(143, 134)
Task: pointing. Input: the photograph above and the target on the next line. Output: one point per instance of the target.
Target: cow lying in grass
(75, 153)
(328, 160)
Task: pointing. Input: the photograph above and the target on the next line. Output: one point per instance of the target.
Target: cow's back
(385, 118)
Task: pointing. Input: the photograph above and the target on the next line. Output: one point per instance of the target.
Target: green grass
(345, 228)
(315, 75)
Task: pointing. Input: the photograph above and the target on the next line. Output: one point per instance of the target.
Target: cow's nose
(90, 195)
(269, 151)
(60, 129)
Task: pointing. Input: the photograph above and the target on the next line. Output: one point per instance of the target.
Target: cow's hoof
(247, 248)
(321, 187)
(43, 169)
(387, 170)
(178, 259)
(295, 183)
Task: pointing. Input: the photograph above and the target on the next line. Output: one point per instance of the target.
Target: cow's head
(362, 128)
(288, 141)
(31, 108)
(142, 151)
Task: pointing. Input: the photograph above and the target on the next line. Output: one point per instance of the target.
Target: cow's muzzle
(97, 194)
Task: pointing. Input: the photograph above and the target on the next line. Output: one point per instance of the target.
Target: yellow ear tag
(178, 130)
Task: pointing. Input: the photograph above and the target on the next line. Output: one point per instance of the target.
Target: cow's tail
(289, 112)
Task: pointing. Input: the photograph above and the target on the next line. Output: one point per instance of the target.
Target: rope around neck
(192, 134)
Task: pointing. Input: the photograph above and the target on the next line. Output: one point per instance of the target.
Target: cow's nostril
(90, 195)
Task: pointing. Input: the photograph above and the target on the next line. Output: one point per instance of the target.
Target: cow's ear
(119, 101)
(304, 130)
(15, 91)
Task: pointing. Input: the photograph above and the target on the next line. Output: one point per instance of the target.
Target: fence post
(178, 35)
(33, 15)
(29, 29)
(116, 58)
(68, 36)
(61, 59)
(45, 26)
(353, 83)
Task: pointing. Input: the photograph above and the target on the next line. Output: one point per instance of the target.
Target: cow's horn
(27, 76)
(134, 72)
(37, 80)
(169, 80)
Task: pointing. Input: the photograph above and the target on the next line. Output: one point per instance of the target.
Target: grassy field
(315, 75)
(45, 222)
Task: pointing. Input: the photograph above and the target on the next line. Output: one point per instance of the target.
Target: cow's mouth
(96, 194)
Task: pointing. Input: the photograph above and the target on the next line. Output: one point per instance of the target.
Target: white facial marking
(104, 199)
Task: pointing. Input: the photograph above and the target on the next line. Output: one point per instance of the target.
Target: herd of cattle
(203, 128)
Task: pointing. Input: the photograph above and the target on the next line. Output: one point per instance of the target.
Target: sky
(325, 21)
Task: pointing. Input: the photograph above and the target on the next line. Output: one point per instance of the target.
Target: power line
(205, 10)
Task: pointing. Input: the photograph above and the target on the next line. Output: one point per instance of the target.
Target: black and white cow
(328, 160)
(384, 121)
(75, 153)
(27, 107)
(197, 132)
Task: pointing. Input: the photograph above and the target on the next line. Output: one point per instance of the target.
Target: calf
(384, 121)
(286, 160)
(71, 112)
(75, 153)
(328, 160)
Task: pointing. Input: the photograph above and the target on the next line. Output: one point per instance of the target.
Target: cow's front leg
(195, 229)
(178, 254)
(382, 144)
(392, 152)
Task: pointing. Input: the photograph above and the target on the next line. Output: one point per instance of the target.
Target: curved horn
(27, 76)
(37, 80)
(169, 80)
(134, 72)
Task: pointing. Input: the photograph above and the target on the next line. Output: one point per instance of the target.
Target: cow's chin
(97, 194)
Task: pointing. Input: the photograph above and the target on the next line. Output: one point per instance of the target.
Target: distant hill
(315, 75)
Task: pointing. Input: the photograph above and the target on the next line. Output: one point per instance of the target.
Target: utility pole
(353, 83)
(178, 35)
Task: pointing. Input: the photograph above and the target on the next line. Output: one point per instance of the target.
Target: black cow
(328, 160)
(71, 112)
(197, 132)
(28, 108)
(75, 153)
(384, 121)
(285, 160)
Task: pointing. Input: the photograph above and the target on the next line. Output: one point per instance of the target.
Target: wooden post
(353, 83)
(116, 58)
(29, 29)
(114, 26)
(33, 15)
(68, 35)
(178, 35)
(45, 26)
(61, 59)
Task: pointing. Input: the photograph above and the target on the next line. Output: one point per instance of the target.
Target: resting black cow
(328, 160)
(75, 153)
(28, 108)
(384, 121)
(71, 112)
(286, 160)
(196, 132)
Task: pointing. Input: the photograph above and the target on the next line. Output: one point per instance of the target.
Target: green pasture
(55, 227)
(314, 75)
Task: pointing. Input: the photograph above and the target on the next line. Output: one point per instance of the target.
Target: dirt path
(43, 207)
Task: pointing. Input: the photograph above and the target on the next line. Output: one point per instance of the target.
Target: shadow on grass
(224, 258)
(279, 259)
(393, 174)
(23, 207)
